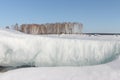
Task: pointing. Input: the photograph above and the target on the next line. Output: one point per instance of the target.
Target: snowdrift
(18, 49)
(108, 71)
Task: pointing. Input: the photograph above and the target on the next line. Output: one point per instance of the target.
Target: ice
(18, 49)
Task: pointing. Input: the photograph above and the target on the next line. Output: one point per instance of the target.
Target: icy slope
(64, 50)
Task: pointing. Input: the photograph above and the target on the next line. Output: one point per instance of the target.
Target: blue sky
(96, 15)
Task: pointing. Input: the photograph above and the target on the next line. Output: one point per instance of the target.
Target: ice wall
(20, 49)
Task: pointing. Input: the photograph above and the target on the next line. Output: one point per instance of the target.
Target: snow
(99, 72)
(18, 50)
(60, 57)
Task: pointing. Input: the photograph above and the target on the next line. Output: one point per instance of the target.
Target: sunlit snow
(17, 49)
(68, 52)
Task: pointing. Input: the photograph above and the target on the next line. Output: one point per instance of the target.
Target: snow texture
(18, 49)
(109, 71)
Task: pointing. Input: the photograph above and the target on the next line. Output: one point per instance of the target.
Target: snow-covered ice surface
(83, 52)
(109, 71)
(56, 50)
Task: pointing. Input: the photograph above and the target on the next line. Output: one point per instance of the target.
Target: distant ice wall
(20, 49)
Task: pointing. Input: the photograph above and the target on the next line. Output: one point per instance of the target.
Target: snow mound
(65, 50)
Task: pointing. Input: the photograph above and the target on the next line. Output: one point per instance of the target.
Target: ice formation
(18, 49)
